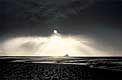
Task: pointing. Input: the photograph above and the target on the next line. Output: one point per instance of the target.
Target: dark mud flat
(61, 69)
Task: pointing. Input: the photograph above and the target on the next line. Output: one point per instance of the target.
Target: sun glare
(54, 45)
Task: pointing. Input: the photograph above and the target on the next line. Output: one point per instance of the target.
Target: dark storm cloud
(35, 14)
(31, 9)
(45, 7)
(39, 10)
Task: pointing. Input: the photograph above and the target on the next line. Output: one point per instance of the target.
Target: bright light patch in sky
(54, 45)
(55, 31)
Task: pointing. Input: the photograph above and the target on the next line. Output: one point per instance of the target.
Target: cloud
(34, 10)
(54, 45)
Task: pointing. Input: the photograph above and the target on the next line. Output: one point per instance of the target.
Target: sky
(98, 22)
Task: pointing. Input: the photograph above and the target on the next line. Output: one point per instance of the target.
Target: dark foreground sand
(57, 71)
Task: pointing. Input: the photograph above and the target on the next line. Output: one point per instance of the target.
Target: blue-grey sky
(96, 19)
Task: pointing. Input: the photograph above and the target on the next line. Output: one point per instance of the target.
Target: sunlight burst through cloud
(54, 45)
